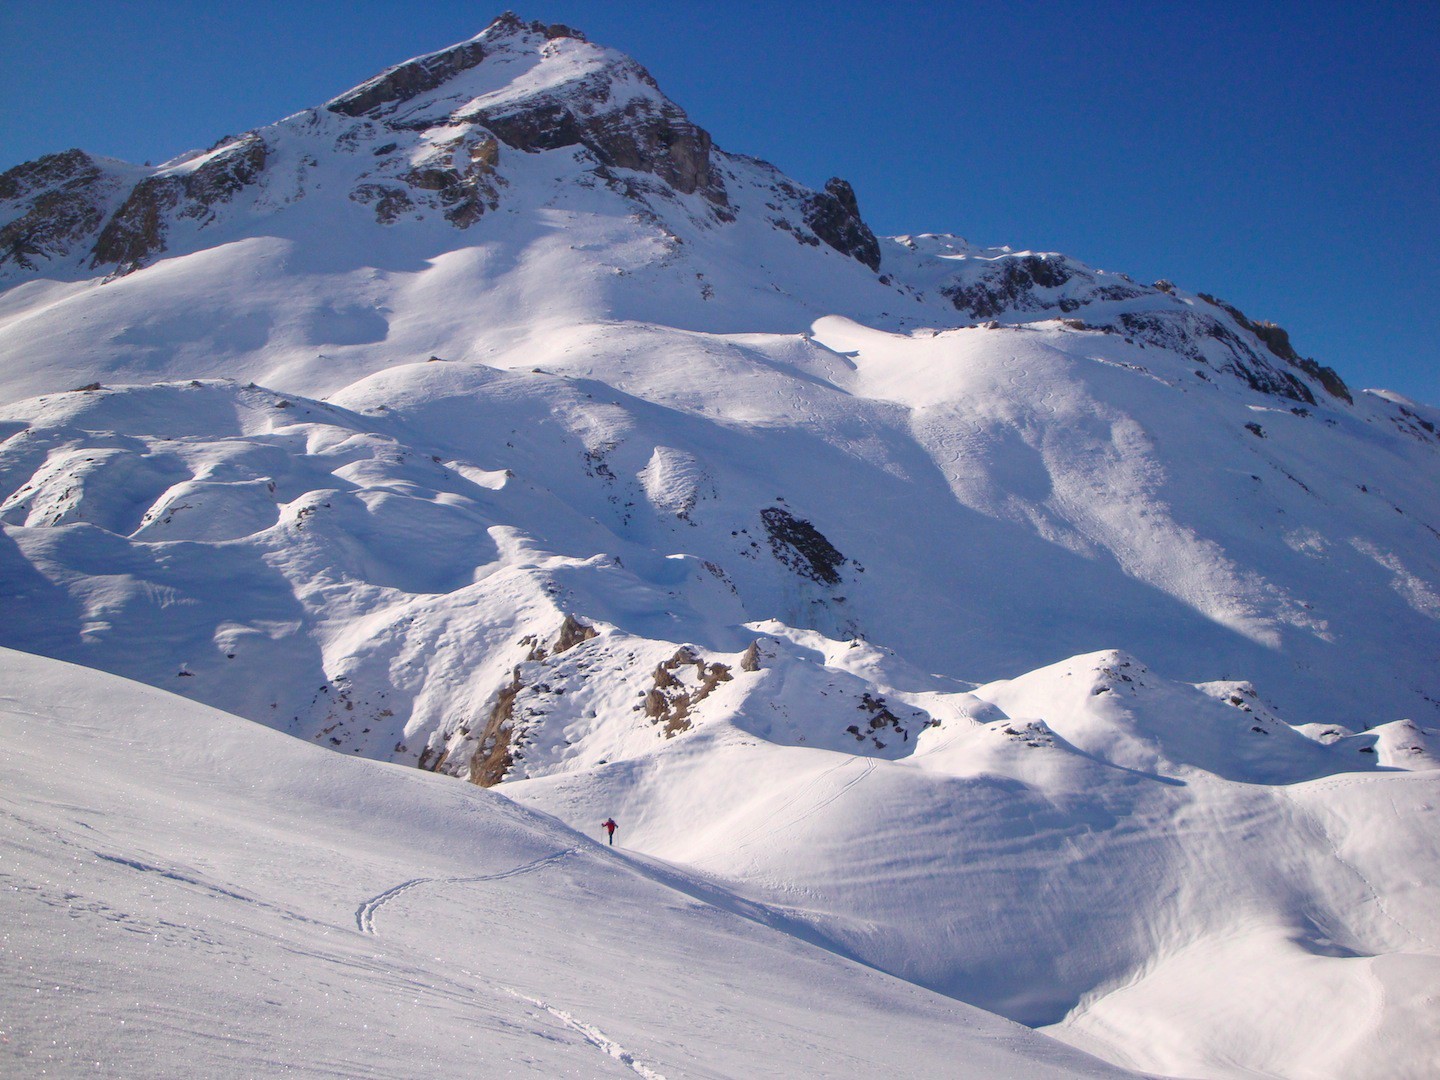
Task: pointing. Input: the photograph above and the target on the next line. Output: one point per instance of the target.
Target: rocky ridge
(430, 136)
(434, 128)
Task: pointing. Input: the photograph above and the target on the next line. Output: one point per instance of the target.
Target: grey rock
(137, 232)
(408, 80)
(53, 204)
(642, 135)
(834, 216)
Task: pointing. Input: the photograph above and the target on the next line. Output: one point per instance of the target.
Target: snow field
(190, 892)
(1141, 871)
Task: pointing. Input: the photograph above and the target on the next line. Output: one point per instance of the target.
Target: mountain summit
(539, 88)
(445, 135)
(1052, 639)
(427, 137)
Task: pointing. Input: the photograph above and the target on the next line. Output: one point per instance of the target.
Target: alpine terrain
(947, 628)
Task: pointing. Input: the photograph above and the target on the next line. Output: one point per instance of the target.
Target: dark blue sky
(1285, 157)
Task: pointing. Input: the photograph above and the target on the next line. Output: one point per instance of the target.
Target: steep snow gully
(948, 628)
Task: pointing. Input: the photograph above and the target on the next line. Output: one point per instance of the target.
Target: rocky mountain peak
(433, 136)
(510, 24)
(525, 113)
(393, 87)
(51, 191)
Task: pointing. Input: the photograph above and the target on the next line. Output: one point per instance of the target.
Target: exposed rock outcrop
(1188, 333)
(601, 111)
(640, 133)
(834, 216)
(799, 545)
(1277, 340)
(408, 80)
(681, 683)
(1009, 284)
(750, 660)
(58, 201)
(462, 173)
(390, 202)
(137, 232)
(881, 722)
(493, 757)
(48, 172)
(485, 751)
(572, 632)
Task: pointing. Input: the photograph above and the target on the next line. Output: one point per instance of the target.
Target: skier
(610, 826)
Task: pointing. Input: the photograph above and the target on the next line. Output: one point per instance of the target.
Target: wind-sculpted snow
(1035, 846)
(1060, 642)
(398, 541)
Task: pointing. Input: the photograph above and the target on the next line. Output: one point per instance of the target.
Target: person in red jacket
(610, 826)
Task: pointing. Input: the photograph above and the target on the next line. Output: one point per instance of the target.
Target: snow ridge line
(365, 913)
(591, 1034)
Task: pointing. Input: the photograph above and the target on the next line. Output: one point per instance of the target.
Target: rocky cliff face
(136, 233)
(613, 107)
(404, 82)
(1217, 336)
(834, 216)
(50, 206)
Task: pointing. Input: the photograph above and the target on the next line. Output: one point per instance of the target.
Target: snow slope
(1163, 474)
(190, 893)
(1003, 504)
(489, 419)
(1164, 874)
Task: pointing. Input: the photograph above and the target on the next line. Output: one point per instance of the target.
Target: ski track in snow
(1012, 366)
(764, 827)
(1126, 521)
(591, 1034)
(185, 879)
(869, 767)
(173, 875)
(365, 913)
(1376, 896)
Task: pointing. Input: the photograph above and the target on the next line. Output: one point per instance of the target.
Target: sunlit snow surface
(1048, 661)
(186, 893)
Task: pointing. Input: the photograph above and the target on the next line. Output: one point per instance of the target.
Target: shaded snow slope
(187, 892)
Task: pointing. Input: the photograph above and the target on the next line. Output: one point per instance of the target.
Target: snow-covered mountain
(1061, 643)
